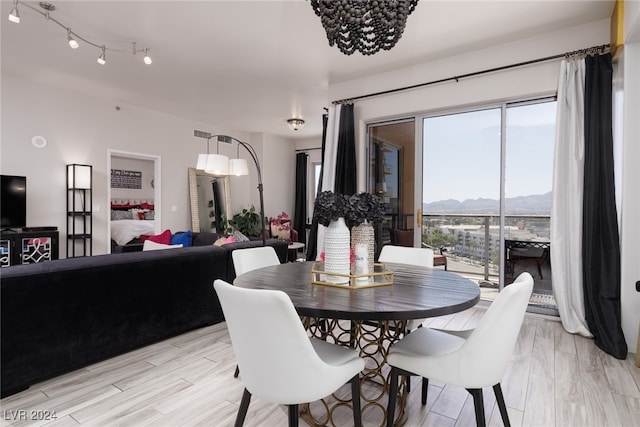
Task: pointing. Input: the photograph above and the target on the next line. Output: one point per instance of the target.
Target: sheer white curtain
(329, 163)
(566, 209)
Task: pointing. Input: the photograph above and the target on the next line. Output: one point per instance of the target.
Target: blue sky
(462, 153)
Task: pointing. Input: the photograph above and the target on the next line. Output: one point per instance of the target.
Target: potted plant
(247, 222)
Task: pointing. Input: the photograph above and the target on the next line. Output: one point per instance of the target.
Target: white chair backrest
(422, 257)
(246, 260)
(486, 353)
(276, 359)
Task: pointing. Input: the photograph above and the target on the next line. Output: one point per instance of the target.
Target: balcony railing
(472, 242)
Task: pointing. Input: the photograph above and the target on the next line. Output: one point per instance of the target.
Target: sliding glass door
(486, 191)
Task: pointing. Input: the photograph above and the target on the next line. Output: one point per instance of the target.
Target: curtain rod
(308, 149)
(588, 51)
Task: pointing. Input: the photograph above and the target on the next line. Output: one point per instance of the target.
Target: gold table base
(372, 339)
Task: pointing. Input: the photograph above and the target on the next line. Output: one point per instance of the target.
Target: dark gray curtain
(600, 245)
(312, 247)
(300, 213)
(346, 154)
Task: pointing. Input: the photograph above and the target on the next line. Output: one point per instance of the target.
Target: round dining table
(370, 319)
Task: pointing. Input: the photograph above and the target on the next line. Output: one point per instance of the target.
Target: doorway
(392, 176)
(145, 181)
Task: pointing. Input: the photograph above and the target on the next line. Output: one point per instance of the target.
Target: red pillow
(164, 237)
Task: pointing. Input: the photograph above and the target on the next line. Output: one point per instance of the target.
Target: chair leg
(237, 372)
(244, 406)
(393, 391)
(497, 389)
(478, 404)
(425, 388)
(293, 415)
(355, 398)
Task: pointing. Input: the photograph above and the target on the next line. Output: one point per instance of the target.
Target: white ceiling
(250, 65)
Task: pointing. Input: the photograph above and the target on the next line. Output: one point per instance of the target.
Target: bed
(130, 219)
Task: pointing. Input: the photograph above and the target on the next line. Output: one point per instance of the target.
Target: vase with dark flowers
(364, 210)
(330, 210)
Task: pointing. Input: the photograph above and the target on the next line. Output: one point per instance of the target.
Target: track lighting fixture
(14, 16)
(147, 59)
(102, 59)
(72, 42)
(295, 124)
(73, 37)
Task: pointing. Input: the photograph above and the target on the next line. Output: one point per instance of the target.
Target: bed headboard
(126, 204)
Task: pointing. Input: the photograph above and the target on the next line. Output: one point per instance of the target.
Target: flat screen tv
(13, 201)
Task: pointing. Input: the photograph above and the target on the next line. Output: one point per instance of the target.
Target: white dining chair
(246, 260)
(249, 259)
(421, 257)
(279, 362)
(470, 359)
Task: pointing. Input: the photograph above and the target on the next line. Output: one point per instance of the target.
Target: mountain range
(537, 204)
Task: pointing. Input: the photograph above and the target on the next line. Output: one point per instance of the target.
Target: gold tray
(380, 277)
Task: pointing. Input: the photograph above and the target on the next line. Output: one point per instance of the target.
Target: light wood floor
(554, 379)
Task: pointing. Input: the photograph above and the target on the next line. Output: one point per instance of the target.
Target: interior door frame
(406, 152)
(157, 187)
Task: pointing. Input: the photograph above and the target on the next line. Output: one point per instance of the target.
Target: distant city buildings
(470, 238)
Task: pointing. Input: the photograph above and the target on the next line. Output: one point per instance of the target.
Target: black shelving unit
(79, 211)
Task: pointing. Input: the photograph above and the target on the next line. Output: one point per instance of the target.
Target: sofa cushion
(183, 239)
(150, 245)
(164, 237)
(205, 239)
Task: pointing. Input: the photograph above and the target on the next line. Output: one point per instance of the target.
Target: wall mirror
(210, 201)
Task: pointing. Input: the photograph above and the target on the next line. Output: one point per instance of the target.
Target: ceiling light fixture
(295, 124)
(363, 25)
(72, 42)
(102, 59)
(14, 15)
(147, 59)
(73, 37)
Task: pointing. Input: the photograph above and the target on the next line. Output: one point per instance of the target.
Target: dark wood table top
(416, 293)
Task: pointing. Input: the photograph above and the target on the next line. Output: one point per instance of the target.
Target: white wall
(139, 165)
(80, 129)
(630, 222)
(529, 81)
(279, 173)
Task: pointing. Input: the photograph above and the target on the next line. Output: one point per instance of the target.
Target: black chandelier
(364, 25)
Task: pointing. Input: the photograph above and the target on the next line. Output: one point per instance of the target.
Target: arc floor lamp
(218, 164)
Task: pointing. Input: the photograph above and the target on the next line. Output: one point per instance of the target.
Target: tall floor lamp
(218, 164)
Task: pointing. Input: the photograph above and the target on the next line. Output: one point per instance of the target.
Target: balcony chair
(405, 238)
(470, 359)
(280, 363)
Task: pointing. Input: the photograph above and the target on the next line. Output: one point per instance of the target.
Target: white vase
(337, 256)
